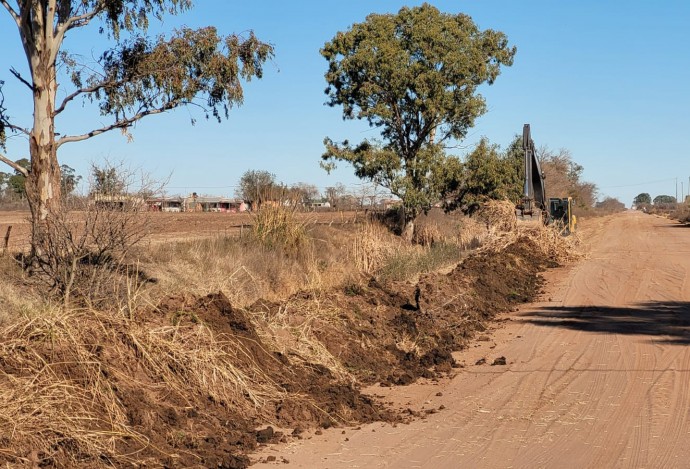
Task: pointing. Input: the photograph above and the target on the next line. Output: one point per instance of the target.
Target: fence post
(7, 239)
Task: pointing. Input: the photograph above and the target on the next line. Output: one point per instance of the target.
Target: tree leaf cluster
(193, 67)
(486, 173)
(664, 199)
(643, 199)
(414, 75)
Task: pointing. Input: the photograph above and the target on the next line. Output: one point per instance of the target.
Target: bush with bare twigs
(83, 247)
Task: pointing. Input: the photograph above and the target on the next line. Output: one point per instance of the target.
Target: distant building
(165, 204)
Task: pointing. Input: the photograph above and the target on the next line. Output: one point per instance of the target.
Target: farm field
(175, 226)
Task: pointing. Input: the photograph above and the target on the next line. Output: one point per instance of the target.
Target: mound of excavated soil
(154, 395)
(397, 333)
(144, 392)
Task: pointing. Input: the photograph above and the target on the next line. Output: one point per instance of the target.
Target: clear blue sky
(606, 80)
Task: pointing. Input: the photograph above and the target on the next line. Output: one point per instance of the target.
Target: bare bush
(82, 248)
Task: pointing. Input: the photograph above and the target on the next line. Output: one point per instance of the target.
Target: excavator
(534, 202)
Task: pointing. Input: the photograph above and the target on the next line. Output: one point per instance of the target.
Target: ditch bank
(195, 382)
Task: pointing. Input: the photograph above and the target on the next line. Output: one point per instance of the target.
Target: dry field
(176, 226)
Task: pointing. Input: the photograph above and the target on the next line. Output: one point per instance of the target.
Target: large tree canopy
(138, 77)
(414, 75)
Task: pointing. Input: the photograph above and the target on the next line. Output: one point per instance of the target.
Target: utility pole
(676, 189)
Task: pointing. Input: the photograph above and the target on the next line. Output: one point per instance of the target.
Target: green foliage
(664, 199)
(643, 198)
(143, 75)
(419, 182)
(486, 174)
(16, 183)
(413, 75)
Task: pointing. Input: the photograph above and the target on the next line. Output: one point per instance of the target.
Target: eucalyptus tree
(414, 75)
(138, 76)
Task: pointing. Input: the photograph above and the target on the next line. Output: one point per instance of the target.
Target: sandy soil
(597, 374)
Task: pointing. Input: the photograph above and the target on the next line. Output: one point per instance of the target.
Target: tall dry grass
(60, 401)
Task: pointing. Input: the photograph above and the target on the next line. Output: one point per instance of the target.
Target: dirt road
(597, 375)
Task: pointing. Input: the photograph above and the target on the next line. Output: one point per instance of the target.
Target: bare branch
(14, 165)
(121, 124)
(77, 93)
(16, 128)
(13, 14)
(19, 77)
(76, 22)
(83, 20)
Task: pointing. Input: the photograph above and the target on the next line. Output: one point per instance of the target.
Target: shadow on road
(670, 321)
(675, 226)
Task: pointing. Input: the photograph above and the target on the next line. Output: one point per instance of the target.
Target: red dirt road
(598, 374)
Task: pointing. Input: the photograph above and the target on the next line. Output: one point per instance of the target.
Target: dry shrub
(372, 245)
(498, 215)
(682, 214)
(279, 226)
(550, 239)
(427, 235)
(472, 234)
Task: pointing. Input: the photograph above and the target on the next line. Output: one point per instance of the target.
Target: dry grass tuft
(291, 332)
(279, 226)
(550, 240)
(372, 245)
(498, 215)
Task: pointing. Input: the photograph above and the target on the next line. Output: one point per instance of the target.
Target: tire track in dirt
(597, 377)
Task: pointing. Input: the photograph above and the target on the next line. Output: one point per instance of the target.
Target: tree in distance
(256, 187)
(642, 199)
(610, 204)
(16, 183)
(413, 75)
(138, 77)
(664, 199)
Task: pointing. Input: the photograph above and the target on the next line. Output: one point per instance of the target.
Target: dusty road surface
(597, 375)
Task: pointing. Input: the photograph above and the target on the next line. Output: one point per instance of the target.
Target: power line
(639, 183)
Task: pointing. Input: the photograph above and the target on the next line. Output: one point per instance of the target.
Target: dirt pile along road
(597, 374)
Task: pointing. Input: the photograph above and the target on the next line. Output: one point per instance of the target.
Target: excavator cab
(561, 213)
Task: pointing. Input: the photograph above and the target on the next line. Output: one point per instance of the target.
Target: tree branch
(76, 22)
(121, 124)
(14, 165)
(13, 14)
(16, 128)
(19, 77)
(78, 92)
